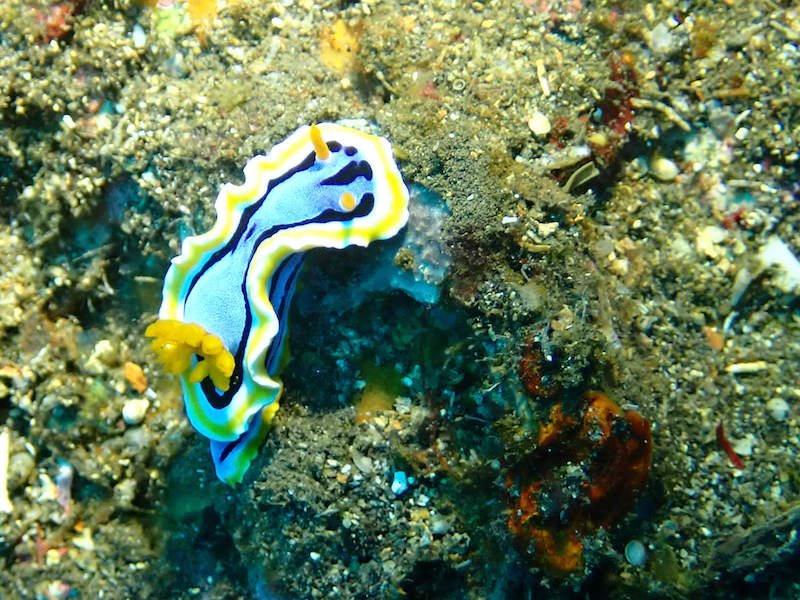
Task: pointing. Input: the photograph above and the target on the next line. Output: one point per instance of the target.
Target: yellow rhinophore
(176, 342)
(320, 147)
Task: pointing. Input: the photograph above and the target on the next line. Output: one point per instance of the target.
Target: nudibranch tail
(226, 297)
(231, 459)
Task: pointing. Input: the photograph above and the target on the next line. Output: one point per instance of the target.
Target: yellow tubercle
(348, 201)
(176, 342)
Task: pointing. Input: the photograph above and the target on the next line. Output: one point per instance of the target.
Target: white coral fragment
(786, 268)
(5, 501)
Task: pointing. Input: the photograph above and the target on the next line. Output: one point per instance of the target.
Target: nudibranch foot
(176, 343)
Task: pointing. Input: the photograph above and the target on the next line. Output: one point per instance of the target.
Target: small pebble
(125, 492)
(84, 540)
(139, 37)
(133, 411)
(778, 409)
(237, 53)
(137, 439)
(103, 355)
(103, 122)
(363, 463)
(399, 483)
(440, 525)
(664, 169)
(636, 553)
(603, 247)
(539, 124)
(56, 590)
(20, 466)
(744, 446)
(662, 41)
(546, 229)
(135, 376)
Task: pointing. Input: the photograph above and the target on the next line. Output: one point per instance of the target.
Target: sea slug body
(226, 297)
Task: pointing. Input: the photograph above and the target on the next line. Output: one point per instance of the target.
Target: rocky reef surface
(594, 392)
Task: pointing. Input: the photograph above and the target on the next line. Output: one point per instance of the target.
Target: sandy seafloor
(621, 183)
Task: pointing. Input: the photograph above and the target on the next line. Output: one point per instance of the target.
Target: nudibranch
(223, 318)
